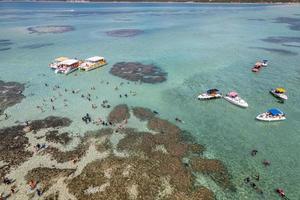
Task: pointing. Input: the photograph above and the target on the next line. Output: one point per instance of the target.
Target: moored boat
(279, 93)
(67, 66)
(234, 98)
(56, 62)
(92, 63)
(210, 94)
(273, 114)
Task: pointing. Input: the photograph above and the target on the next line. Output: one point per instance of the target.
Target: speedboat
(273, 114)
(257, 67)
(92, 63)
(234, 98)
(264, 63)
(279, 93)
(67, 66)
(210, 94)
(56, 62)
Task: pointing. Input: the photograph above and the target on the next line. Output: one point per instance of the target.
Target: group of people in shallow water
(256, 178)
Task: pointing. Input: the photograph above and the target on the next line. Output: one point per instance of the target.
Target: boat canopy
(275, 111)
(60, 59)
(210, 91)
(280, 90)
(95, 59)
(233, 94)
(69, 62)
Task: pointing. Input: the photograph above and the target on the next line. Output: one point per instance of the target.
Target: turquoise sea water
(201, 46)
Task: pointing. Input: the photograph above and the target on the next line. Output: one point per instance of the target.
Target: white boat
(273, 114)
(92, 63)
(279, 93)
(56, 62)
(210, 94)
(67, 66)
(234, 98)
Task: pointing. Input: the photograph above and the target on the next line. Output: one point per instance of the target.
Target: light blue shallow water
(200, 46)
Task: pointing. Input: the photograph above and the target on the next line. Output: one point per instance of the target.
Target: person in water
(254, 152)
(280, 192)
(266, 163)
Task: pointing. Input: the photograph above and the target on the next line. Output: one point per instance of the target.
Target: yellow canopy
(60, 59)
(280, 90)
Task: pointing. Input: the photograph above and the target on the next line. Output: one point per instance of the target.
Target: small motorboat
(234, 98)
(210, 94)
(273, 114)
(279, 93)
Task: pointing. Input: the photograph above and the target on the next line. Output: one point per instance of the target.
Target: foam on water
(200, 46)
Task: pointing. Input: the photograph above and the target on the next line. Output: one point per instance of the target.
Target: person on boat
(254, 152)
(280, 192)
(266, 163)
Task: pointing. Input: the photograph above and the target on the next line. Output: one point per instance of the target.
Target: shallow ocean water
(201, 46)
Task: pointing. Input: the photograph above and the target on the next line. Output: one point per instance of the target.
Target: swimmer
(254, 152)
(266, 163)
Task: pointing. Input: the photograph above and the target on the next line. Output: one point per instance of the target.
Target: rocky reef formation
(13, 141)
(119, 114)
(50, 29)
(10, 94)
(54, 136)
(135, 71)
(143, 113)
(124, 32)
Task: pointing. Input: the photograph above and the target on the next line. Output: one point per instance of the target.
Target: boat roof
(69, 62)
(212, 90)
(232, 94)
(60, 59)
(280, 89)
(94, 58)
(275, 111)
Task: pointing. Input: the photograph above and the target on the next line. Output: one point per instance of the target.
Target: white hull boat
(237, 101)
(271, 115)
(206, 96)
(65, 71)
(267, 118)
(278, 95)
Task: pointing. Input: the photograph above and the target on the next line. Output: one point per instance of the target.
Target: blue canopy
(275, 111)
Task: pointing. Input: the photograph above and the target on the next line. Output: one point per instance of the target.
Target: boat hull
(263, 117)
(242, 103)
(280, 96)
(84, 68)
(209, 97)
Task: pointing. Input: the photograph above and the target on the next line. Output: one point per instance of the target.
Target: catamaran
(279, 93)
(234, 98)
(92, 63)
(210, 94)
(56, 62)
(67, 66)
(273, 114)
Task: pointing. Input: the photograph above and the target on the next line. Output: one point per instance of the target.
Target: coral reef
(135, 71)
(119, 114)
(10, 94)
(124, 32)
(54, 136)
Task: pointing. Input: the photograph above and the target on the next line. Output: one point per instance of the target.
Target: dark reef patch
(135, 71)
(36, 46)
(50, 29)
(55, 136)
(119, 114)
(5, 49)
(256, 19)
(13, 142)
(10, 94)
(294, 23)
(291, 45)
(124, 32)
(278, 51)
(281, 39)
(5, 44)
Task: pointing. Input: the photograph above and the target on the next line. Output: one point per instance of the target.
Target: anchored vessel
(92, 63)
(67, 66)
(279, 93)
(210, 94)
(56, 62)
(273, 114)
(234, 98)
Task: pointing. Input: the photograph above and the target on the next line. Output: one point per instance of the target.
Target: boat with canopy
(273, 114)
(67, 66)
(279, 93)
(210, 94)
(92, 63)
(235, 99)
(56, 62)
